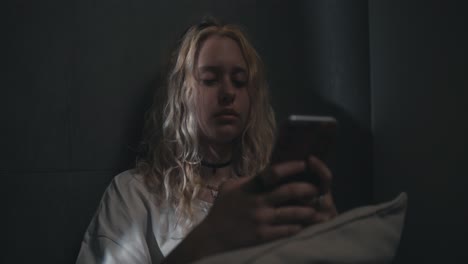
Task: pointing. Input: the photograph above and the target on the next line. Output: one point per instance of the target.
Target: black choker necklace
(215, 166)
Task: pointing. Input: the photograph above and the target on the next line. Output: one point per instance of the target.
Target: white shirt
(129, 227)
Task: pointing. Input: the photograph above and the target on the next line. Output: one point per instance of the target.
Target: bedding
(368, 234)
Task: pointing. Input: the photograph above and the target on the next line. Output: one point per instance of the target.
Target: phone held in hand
(301, 136)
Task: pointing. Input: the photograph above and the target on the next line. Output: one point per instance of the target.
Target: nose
(227, 93)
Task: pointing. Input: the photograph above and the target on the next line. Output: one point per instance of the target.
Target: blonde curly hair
(170, 161)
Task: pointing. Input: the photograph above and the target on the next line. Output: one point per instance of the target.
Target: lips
(227, 113)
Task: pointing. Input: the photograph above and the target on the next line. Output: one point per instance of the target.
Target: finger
(302, 215)
(327, 202)
(326, 206)
(276, 173)
(321, 202)
(321, 217)
(323, 172)
(233, 183)
(329, 206)
(273, 232)
(301, 192)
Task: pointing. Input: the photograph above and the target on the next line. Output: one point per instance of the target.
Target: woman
(215, 128)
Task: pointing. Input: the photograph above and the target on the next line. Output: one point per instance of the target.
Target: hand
(324, 204)
(246, 215)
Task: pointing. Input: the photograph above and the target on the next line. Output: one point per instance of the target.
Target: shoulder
(129, 182)
(122, 222)
(129, 187)
(125, 202)
(128, 193)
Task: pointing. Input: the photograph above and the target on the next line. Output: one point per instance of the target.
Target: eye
(239, 79)
(209, 82)
(239, 83)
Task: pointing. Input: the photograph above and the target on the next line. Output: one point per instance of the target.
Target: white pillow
(369, 234)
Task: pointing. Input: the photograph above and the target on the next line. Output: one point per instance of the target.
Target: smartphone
(301, 136)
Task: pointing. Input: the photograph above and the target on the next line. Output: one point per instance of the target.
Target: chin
(227, 135)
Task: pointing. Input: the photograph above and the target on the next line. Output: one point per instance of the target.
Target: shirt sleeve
(102, 249)
(119, 230)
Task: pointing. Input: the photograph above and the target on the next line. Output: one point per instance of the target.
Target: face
(222, 86)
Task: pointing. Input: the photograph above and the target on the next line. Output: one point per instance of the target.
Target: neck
(217, 153)
(219, 156)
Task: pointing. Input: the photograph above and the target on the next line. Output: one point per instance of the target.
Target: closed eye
(239, 84)
(209, 82)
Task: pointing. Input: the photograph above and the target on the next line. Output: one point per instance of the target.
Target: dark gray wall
(79, 76)
(336, 78)
(419, 80)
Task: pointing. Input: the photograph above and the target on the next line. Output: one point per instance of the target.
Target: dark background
(78, 77)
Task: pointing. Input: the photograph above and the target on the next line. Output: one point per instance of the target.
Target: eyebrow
(218, 69)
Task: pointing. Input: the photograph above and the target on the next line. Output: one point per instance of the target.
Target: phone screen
(302, 136)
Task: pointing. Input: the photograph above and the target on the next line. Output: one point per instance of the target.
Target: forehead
(220, 51)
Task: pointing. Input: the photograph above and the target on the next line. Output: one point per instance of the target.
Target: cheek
(246, 105)
(201, 103)
(205, 107)
(199, 110)
(203, 112)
